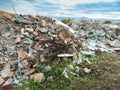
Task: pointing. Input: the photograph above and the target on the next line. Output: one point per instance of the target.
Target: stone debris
(86, 70)
(27, 42)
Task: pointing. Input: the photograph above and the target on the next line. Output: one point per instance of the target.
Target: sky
(107, 9)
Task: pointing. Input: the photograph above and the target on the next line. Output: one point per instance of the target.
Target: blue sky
(109, 9)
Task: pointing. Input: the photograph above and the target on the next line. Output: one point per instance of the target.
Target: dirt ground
(105, 74)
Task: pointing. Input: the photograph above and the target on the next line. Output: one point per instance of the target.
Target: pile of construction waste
(28, 42)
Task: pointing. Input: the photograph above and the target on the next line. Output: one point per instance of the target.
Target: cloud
(97, 15)
(24, 7)
(65, 8)
(75, 2)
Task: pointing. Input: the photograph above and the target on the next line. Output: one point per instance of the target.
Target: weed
(59, 82)
(88, 79)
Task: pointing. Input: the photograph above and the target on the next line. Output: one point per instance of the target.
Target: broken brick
(17, 40)
(11, 74)
(37, 77)
(1, 80)
(29, 72)
(22, 54)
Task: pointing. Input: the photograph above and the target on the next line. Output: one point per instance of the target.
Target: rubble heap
(97, 36)
(27, 42)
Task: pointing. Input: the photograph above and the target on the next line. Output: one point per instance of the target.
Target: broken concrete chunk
(43, 30)
(42, 59)
(7, 34)
(5, 72)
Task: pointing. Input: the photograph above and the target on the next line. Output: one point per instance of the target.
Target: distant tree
(67, 21)
(107, 22)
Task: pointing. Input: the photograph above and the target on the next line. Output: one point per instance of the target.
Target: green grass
(104, 57)
(88, 79)
(59, 82)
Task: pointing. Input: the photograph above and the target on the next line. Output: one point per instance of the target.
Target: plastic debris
(8, 83)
